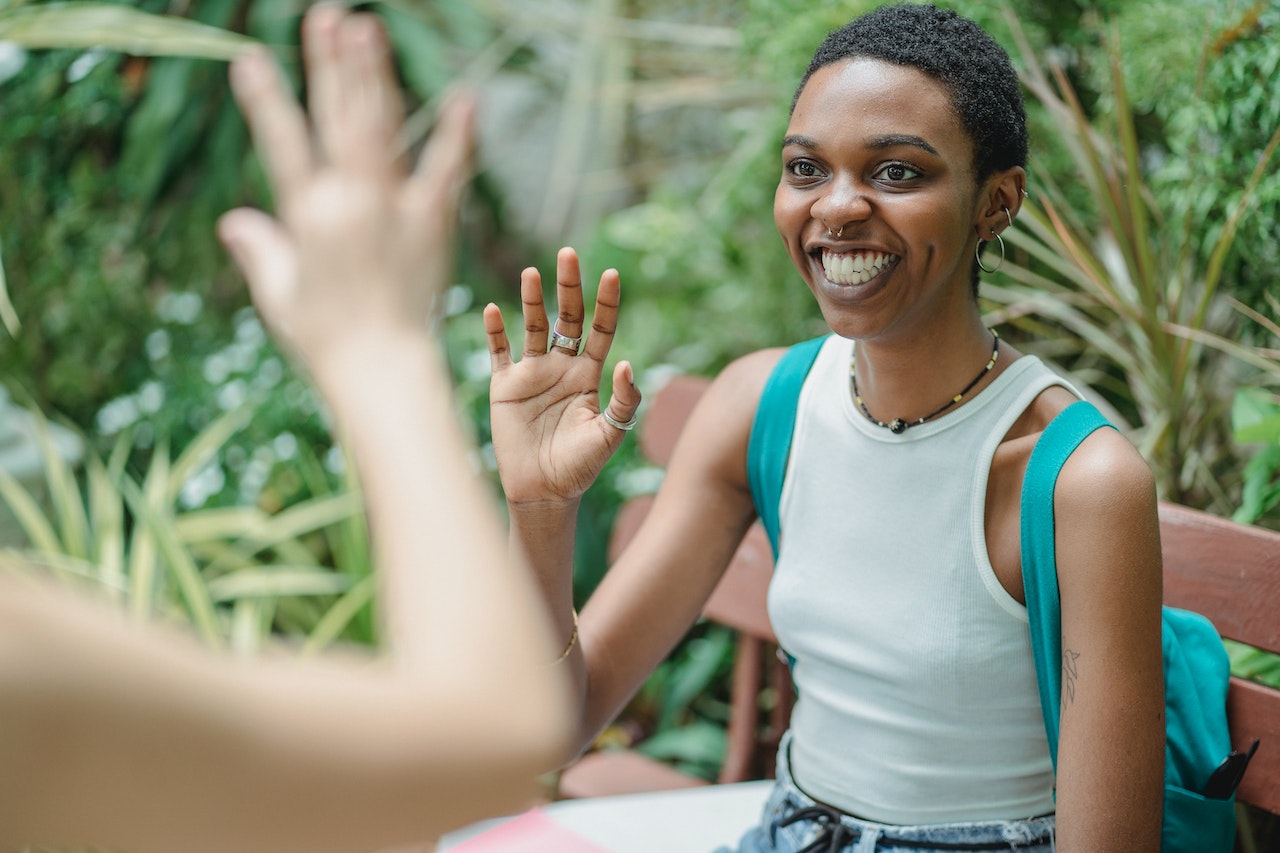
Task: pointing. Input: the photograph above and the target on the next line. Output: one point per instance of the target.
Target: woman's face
(875, 153)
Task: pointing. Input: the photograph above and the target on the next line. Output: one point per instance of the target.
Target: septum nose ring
(837, 233)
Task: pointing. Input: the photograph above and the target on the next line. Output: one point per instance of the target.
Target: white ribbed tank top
(917, 691)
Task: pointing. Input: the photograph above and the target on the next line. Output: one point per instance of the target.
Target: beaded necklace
(897, 426)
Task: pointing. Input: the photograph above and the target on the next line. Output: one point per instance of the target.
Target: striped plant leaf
(278, 581)
(7, 312)
(343, 612)
(84, 25)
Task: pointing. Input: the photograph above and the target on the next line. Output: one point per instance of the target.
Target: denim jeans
(794, 823)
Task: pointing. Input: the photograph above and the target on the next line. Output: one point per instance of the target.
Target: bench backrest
(1231, 573)
(1228, 572)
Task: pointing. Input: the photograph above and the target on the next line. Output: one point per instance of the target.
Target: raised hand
(549, 433)
(361, 245)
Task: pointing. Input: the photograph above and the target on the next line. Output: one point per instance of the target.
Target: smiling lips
(854, 267)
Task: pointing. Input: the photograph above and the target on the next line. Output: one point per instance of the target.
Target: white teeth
(856, 267)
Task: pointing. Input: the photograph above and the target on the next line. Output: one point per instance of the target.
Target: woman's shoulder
(744, 378)
(1106, 464)
(747, 374)
(1105, 469)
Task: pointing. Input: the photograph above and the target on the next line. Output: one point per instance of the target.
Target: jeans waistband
(835, 831)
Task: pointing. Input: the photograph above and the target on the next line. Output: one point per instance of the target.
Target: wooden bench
(1229, 572)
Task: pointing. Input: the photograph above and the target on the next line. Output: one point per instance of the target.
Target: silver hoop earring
(995, 235)
(977, 254)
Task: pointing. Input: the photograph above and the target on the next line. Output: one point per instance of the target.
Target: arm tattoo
(1070, 672)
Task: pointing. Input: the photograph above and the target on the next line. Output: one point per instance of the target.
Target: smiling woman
(898, 582)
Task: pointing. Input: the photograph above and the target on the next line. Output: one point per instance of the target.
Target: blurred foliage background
(644, 132)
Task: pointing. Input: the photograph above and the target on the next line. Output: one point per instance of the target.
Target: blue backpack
(1198, 755)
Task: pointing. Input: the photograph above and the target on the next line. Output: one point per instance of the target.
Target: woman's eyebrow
(894, 140)
(876, 143)
(802, 141)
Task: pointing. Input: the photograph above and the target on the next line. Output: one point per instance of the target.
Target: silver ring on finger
(566, 343)
(617, 424)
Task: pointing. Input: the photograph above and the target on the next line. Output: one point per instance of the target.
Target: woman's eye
(804, 169)
(898, 172)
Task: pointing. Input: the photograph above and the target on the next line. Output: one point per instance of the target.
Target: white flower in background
(232, 394)
(84, 63)
(179, 307)
(202, 485)
(118, 414)
(12, 60)
(158, 345)
(285, 446)
(150, 397)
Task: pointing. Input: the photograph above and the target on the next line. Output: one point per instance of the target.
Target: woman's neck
(909, 377)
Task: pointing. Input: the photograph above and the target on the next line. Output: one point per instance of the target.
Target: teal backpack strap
(770, 442)
(1196, 667)
(1039, 565)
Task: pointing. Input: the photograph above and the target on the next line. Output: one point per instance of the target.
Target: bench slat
(1253, 711)
(1229, 572)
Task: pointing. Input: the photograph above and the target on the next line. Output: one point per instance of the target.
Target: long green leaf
(35, 524)
(87, 25)
(282, 531)
(153, 515)
(107, 521)
(206, 444)
(340, 615)
(7, 312)
(278, 581)
(249, 626)
(62, 566)
(144, 575)
(64, 492)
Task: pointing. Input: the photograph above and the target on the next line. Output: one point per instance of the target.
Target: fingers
(276, 122)
(366, 137)
(499, 346)
(569, 294)
(625, 400)
(263, 252)
(325, 89)
(569, 320)
(444, 168)
(535, 313)
(604, 322)
(352, 93)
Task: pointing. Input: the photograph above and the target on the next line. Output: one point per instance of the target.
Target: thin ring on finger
(564, 342)
(625, 426)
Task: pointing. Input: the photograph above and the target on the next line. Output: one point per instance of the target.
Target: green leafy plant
(237, 575)
(1116, 291)
(1255, 420)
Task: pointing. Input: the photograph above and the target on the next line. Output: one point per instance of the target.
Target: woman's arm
(121, 737)
(1111, 743)
(551, 443)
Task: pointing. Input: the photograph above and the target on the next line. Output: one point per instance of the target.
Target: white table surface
(690, 820)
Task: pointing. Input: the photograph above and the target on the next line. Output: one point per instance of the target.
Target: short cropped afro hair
(956, 52)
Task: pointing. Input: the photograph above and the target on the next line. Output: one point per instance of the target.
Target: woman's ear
(1001, 200)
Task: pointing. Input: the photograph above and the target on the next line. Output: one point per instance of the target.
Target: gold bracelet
(573, 638)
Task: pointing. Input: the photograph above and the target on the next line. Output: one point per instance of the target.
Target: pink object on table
(532, 832)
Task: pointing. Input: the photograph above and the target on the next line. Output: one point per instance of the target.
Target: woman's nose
(844, 203)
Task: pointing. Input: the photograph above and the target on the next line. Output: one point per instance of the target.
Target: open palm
(549, 434)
